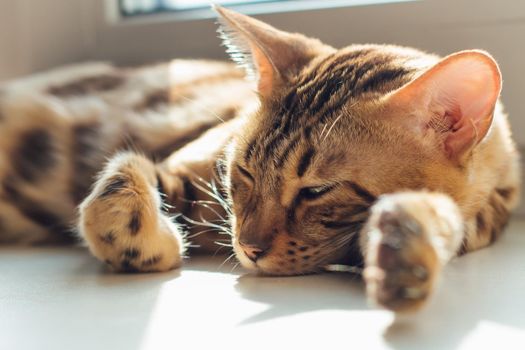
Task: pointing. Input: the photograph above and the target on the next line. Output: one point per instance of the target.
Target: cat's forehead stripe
(287, 150)
(305, 162)
(320, 93)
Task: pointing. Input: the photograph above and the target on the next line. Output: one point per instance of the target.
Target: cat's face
(301, 183)
(329, 137)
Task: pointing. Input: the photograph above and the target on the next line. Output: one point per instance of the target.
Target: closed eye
(245, 173)
(311, 193)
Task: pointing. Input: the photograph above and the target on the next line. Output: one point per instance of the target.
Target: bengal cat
(375, 155)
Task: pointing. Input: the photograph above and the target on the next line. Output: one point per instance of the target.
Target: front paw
(122, 223)
(409, 238)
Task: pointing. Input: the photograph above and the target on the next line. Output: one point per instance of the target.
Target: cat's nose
(253, 252)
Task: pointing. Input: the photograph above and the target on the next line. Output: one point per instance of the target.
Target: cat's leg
(123, 220)
(407, 240)
(490, 220)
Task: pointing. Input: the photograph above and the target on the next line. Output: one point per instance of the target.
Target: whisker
(323, 130)
(344, 268)
(222, 219)
(235, 266)
(217, 251)
(215, 195)
(343, 112)
(200, 201)
(332, 126)
(203, 223)
(335, 244)
(226, 260)
(193, 235)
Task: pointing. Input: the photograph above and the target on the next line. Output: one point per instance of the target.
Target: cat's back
(58, 128)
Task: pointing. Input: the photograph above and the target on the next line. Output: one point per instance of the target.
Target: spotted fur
(317, 168)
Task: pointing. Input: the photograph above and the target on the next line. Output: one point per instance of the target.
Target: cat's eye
(245, 173)
(315, 192)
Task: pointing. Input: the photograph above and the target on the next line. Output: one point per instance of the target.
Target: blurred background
(40, 34)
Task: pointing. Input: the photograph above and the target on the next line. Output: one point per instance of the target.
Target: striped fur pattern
(318, 168)
(331, 172)
(326, 129)
(59, 128)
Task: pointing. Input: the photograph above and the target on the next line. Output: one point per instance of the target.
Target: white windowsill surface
(62, 298)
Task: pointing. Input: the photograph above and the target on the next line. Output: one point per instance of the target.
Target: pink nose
(253, 253)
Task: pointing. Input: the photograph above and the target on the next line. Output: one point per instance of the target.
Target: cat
(377, 156)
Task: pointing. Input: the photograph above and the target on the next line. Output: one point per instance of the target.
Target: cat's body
(370, 153)
(60, 127)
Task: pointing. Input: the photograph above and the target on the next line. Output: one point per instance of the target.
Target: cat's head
(337, 128)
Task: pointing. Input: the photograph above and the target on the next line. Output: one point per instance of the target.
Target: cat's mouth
(291, 256)
(287, 256)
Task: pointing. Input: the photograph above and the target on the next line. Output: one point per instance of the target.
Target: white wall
(38, 34)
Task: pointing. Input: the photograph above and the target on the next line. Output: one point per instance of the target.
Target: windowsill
(65, 299)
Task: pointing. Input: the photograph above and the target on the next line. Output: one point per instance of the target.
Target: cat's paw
(122, 223)
(410, 236)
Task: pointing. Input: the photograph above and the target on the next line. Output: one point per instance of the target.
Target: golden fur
(370, 155)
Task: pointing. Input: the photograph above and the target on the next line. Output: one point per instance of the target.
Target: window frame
(440, 26)
(115, 17)
(124, 15)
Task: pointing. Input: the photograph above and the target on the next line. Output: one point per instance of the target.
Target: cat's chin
(273, 264)
(266, 268)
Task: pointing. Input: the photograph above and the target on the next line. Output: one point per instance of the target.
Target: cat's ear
(270, 55)
(456, 98)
